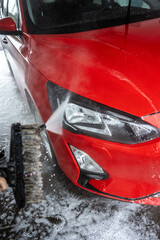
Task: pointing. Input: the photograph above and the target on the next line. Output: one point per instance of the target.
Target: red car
(90, 69)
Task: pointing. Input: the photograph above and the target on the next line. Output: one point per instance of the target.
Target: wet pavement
(67, 213)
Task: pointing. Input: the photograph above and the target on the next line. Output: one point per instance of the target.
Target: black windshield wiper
(128, 12)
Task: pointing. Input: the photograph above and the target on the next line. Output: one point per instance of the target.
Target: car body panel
(121, 161)
(96, 63)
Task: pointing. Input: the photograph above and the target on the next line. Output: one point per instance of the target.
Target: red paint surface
(117, 69)
(7, 24)
(112, 66)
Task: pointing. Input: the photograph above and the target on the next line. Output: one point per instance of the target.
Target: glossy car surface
(107, 72)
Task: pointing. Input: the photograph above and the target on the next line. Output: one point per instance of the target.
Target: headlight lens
(108, 125)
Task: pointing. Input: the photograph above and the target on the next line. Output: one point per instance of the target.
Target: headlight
(108, 125)
(84, 116)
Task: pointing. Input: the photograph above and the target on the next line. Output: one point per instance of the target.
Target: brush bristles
(32, 158)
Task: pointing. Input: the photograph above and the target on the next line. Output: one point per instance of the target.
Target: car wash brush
(23, 171)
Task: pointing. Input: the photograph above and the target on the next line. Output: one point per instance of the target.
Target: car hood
(117, 66)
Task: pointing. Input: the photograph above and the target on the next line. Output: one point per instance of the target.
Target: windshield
(67, 16)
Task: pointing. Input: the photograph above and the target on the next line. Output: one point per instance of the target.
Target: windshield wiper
(128, 12)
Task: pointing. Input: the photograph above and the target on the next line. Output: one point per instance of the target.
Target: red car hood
(117, 66)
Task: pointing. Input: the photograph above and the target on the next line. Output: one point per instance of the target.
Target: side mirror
(8, 27)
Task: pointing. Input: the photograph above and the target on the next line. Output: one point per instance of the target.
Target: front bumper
(134, 170)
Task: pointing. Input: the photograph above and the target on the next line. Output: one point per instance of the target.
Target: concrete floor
(67, 213)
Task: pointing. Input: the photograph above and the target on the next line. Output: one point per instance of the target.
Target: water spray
(55, 122)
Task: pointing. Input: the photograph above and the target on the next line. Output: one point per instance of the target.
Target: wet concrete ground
(67, 213)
